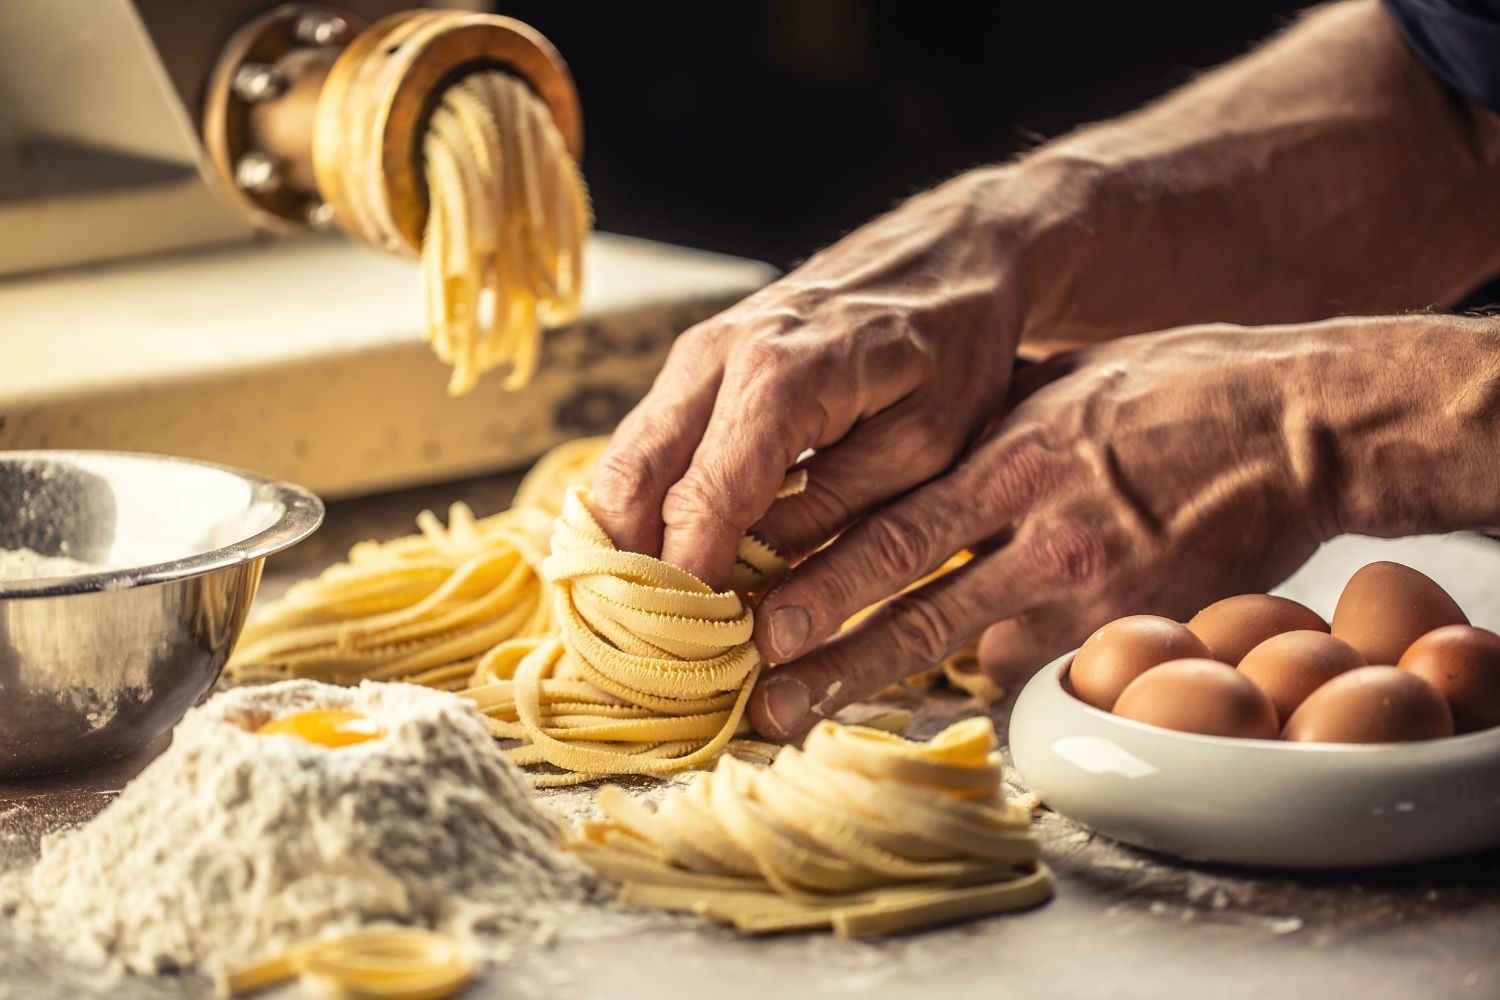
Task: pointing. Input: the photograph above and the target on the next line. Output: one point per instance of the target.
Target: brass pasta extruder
(313, 118)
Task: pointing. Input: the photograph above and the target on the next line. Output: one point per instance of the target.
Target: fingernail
(788, 626)
(787, 703)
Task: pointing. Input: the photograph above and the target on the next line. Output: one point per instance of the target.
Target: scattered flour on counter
(576, 804)
(232, 846)
(25, 564)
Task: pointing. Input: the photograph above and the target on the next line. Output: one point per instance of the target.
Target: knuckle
(924, 630)
(822, 507)
(624, 478)
(1068, 553)
(788, 362)
(830, 599)
(693, 501)
(709, 333)
(836, 601)
(1023, 474)
(762, 355)
(690, 351)
(901, 547)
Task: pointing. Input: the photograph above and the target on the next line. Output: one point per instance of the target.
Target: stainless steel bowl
(96, 665)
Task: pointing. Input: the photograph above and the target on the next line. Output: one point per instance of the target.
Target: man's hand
(1155, 473)
(1324, 174)
(885, 350)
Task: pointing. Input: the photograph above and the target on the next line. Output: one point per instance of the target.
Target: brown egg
(1386, 607)
(1290, 666)
(1234, 626)
(1123, 650)
(1371, 705)
(1463, 663)
(1199, 696)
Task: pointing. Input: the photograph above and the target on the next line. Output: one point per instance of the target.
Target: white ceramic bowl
(1261, 803)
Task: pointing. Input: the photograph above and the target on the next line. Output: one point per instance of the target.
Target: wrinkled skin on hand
(877, 352)
(1154, 473)
(1326, 174)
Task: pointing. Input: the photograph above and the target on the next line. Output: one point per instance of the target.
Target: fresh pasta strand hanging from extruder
(508, 215)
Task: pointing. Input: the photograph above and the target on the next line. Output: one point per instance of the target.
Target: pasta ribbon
(508, 215)
(861, 831)
(650, 672)
(424, 608)
(402, 963)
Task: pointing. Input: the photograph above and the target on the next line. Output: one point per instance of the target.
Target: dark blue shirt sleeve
(1459, 40)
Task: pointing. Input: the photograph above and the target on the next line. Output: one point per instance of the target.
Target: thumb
(1010, 651)
(791, 698)
(900, 637)
(781, 705)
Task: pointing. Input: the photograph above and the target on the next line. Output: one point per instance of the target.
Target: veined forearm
(1325, 174)
(1397, 422)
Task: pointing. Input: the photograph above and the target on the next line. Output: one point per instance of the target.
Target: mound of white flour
(232, 846)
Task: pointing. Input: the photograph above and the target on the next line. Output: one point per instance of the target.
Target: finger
(908, 634)
(1010, 651)
(654, 444)
(781, 396)
(982, 498)
(880, 458)
(733, 477)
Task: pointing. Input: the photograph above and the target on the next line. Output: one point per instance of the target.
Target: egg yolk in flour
(327, 727)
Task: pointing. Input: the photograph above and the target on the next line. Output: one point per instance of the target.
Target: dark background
(768, 128)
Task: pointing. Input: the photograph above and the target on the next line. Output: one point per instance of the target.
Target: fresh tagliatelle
(597, 661)
(508, 214)
(860, 831)
(424, 608)
(651, 670)
(402, 963)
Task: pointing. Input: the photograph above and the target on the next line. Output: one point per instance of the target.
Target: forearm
(1395, 428)
(1325, 174)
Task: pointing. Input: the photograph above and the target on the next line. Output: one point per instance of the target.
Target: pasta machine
(298, 115)
(246, 178)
